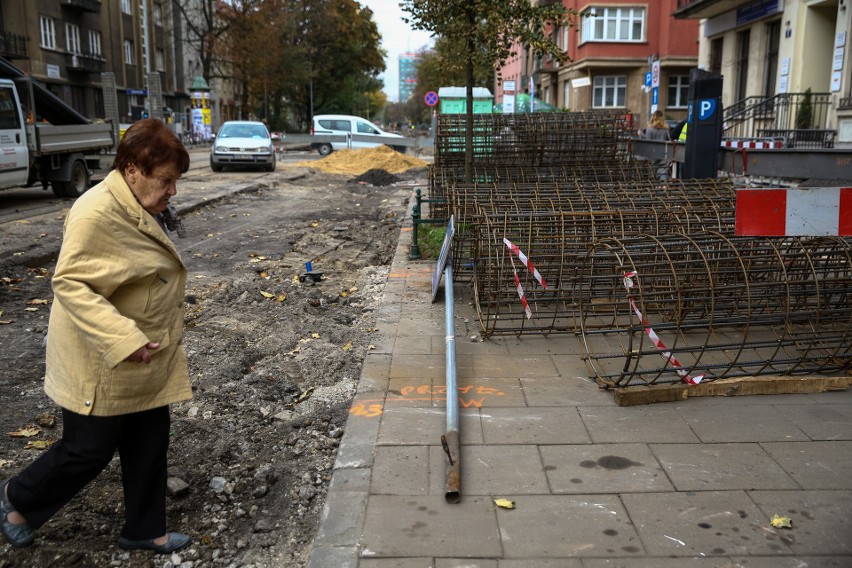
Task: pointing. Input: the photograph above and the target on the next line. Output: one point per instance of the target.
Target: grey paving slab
(513, 366)
(465, 563)
(551, 425)
(342, 516)
(610, 468)
(834, 397)
(493, 470)
(404, 425)
(401, 526)
(541, 563)
(659, 563)
(490, 392)
(653, 423)
(540, 345)
(709, 523)
(567, 526)
(400, 470)
(570, 366)
(822, 520)
(339, 557)
(793, 562)
(396, 563)
(741, 423)
(414, 392)
(721, 466)
(374, 373)
(356, 479)
(563, 391)
(469, 342)
(429, 366)
(815, 465)
(359, 439)
(417, 344)
(822, 422)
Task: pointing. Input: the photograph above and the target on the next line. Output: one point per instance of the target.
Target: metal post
(414, 251)
(450, 440)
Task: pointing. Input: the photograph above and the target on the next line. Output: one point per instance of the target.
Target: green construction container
(453, 100)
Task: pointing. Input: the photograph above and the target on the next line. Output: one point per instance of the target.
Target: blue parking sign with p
(706, 108)
(648, 79)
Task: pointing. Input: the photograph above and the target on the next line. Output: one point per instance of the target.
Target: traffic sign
(655, 74)
(648, 79)
(431, 98)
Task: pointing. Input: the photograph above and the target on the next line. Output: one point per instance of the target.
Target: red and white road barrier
(800, 212)
(655, 339)
(753, 144)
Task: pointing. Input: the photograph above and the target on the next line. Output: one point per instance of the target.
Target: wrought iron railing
(800, 119)
(844, 103)
(13, 46)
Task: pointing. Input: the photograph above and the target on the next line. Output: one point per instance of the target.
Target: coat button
(88, 403)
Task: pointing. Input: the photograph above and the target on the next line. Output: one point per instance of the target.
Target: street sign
(648, 79)
(655, 74)
(431, 98)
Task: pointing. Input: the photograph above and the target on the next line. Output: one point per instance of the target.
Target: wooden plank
(740, 386)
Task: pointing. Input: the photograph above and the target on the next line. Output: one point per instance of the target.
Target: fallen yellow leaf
(30, 309)
(315, 335)
(281, 297)
(39, 444)
(504, 503)
(782, 522)
(25, 433)
(266, 294)
(348, 346)
(38, 302)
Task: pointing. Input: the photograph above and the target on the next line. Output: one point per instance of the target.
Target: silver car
(243, 143)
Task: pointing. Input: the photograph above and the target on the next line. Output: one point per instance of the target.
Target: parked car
(344, 124)
(243, 143)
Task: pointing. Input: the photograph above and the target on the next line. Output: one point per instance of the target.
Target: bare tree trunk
(468, 135)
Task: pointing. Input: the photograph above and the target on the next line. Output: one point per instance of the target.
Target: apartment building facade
(612, 46)
(776, 48)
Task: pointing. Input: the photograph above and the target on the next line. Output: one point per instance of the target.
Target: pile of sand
(356, 162)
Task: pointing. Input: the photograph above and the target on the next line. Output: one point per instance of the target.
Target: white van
(355, 128)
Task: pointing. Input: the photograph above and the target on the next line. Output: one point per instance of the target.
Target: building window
(566, 100)
(161, 60)
(609, 91)
(678, 91)
(125, 6)
(613, 24)
(128, 52)
(72, 38)
(741, 80)
(716, 47)
(48, 33)
(158, 14)
(94, 43)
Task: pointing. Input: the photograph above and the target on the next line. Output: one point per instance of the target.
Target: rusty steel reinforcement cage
(667, 308)
(694, 203)
(442, 180)
(555, 241)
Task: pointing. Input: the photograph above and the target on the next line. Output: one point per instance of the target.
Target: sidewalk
(671, 485)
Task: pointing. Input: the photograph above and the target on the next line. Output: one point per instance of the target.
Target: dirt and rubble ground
(274, 355)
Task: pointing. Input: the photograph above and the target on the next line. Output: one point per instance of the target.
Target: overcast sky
(397, 38)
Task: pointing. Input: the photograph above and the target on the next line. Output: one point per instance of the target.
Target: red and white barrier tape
(655, 339)
(520, 288)
(526, 262)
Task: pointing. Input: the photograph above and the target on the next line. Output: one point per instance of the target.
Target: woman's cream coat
(119, 284)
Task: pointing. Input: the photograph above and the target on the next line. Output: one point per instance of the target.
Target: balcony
(84, 63)
(84, 5)
(695, 9)
(13, 46)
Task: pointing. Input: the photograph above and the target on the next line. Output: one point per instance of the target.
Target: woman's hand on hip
(143, 354)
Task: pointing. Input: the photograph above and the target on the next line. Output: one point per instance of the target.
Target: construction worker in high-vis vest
(682, 136)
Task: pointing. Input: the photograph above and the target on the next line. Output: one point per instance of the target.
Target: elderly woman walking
(115, 356)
